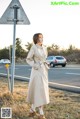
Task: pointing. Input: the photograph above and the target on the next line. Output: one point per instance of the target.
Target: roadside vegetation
(63, 104)
(72, 54)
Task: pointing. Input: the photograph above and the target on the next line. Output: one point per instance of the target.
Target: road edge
(64, 87)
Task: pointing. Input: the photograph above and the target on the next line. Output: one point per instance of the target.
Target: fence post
(8, 76)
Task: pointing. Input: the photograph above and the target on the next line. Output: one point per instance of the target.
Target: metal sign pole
(13, 48)
(14, 14)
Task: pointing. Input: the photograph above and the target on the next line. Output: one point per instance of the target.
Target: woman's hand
(36, 66)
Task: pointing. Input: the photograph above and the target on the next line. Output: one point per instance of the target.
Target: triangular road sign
(8, 16)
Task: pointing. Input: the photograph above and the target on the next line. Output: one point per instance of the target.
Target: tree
(71, 49)
(20, 52)
(18, 48)
(10, 52)
(28, 46)
(53, 49)
(4, 53)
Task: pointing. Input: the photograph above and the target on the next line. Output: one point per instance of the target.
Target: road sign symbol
(7, 66)
(8, 15)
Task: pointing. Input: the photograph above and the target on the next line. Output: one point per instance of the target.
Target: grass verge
(63, 104)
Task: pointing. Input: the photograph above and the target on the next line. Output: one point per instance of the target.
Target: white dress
(38, 90)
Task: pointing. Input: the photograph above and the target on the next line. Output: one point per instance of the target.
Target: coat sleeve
(30, 59)
(46, 51)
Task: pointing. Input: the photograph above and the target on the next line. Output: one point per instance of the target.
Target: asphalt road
(69, 75)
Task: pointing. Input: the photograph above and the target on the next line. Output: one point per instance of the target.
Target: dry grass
(63, 105)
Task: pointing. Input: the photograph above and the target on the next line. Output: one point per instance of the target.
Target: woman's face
(40, 39)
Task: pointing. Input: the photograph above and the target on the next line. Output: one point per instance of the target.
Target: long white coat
(38, 91)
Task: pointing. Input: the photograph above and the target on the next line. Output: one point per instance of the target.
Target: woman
(38, 91)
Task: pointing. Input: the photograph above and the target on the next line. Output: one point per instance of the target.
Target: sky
(59, 24)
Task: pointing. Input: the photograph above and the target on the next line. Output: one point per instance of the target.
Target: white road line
(21, 77)
(64, 85)
(74, 68)
(78, 74)
(15, 76)
(57, 84)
